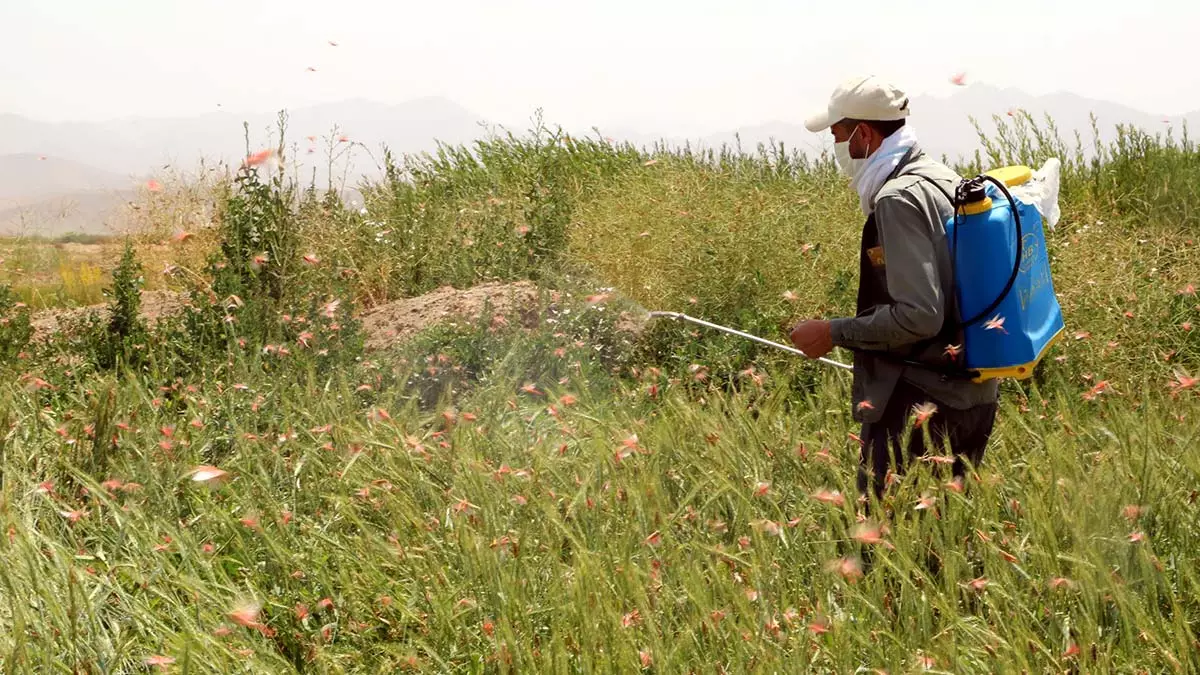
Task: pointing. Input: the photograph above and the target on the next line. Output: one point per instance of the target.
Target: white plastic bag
(1042, 191)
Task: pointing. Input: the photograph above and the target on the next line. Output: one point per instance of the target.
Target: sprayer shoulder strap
(954, 201)
(937, 186)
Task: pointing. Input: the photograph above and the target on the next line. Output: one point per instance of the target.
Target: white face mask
(850, 166)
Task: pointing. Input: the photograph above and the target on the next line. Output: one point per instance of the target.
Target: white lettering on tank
(1038, 281)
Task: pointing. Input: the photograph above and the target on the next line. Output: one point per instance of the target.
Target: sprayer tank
(1011, 339)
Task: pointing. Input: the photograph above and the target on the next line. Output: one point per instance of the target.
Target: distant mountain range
(62, 177)
(49, 196)
(944, 123)
(57, 177)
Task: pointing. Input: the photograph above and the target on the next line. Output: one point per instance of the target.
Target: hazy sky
(694, 66)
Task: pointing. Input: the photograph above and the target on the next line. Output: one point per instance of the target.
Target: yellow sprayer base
(1021, 372)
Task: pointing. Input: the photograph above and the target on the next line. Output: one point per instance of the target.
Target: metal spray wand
(748, 336)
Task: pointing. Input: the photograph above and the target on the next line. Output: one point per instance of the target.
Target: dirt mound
(155, 304)
(384, 325)
(394, 322)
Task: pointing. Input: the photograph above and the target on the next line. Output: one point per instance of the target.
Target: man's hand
(813, 337)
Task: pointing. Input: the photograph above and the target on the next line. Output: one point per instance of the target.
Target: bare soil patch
(384, 325)
(155, 304)
(395, 322)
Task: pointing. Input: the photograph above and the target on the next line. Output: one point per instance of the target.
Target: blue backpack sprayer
(1010, 315)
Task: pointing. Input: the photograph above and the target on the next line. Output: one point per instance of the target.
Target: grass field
(244, 489)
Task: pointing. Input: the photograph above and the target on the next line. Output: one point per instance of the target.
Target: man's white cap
(862, 98)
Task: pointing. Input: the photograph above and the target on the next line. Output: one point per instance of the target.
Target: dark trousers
(883, 442)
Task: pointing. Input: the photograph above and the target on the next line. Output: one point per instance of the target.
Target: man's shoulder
(912, 182)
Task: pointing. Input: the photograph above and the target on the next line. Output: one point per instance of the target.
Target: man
(906, 337)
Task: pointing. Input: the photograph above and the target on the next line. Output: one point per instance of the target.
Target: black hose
(1012, 279)
(959, 198)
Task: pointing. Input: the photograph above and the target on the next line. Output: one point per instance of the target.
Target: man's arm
(917, 310)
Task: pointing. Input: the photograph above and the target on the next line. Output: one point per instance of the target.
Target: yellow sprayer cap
(1011, 175)
(975, 208)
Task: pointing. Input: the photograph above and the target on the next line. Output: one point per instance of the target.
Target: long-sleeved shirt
(913, 255)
